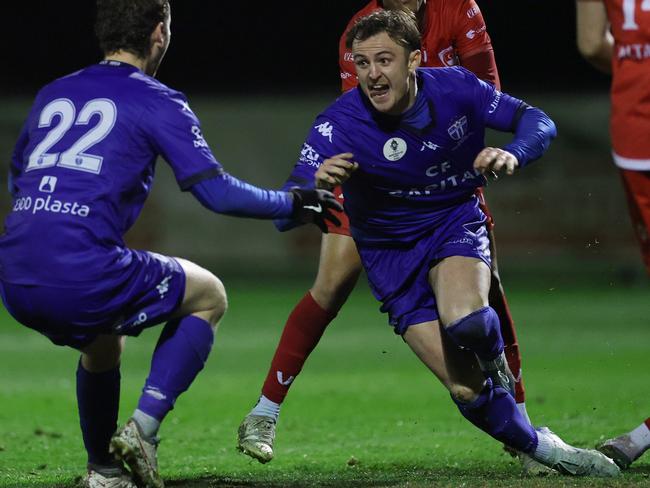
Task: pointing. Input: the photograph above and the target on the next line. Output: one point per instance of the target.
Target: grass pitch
(364, 412)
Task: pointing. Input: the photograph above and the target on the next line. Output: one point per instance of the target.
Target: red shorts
(344, 228)
(637, 190)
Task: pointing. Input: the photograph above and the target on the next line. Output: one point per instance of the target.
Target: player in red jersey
(614, 35)
(453, 33)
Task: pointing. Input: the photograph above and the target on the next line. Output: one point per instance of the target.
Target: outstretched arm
(595, 41)
(226, 194)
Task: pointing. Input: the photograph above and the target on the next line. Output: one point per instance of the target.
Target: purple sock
(98, 400)
(496, 413)
(478, 332)
(180, 354)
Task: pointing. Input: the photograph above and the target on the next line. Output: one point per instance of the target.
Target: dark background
(267, 47)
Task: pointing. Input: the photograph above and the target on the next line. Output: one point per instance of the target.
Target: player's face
(412, 5)
(386, 73)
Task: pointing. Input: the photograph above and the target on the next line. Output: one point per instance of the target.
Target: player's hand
(491, 160)
(312, 206)
(335, 171)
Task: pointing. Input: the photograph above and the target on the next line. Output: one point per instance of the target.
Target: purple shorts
(150, 290)
(398, 276)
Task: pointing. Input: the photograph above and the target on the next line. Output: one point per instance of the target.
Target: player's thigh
(205, 295)
(461, 285)
(338, 271)
(456, 369)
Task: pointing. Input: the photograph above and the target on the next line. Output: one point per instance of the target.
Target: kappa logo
(281, 379)
(458, 129)
(325, 129)
(395, 149)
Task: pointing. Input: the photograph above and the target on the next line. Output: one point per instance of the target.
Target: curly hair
(400, 26)
(125, 25)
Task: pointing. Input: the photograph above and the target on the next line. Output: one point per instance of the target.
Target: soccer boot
(255, 437)
(119, 479)
(530, 467)
(622, 450)
(574, 461)
(128, 445)
(498, 370)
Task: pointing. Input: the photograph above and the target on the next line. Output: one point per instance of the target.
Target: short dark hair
(400, 26)
(126, 25)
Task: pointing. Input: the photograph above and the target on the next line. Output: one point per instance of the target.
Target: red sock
(500, 305)
(647, 423)
(303, 330)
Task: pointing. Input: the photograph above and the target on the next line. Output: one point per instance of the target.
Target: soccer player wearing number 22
(408, 147)
(80, 173)
(614, 35)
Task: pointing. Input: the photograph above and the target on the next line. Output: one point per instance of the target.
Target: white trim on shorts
(629, 163)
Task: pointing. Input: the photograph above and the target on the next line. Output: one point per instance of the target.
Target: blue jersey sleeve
(228, 195)
(177, 137)
(533, 129)
(324, 140)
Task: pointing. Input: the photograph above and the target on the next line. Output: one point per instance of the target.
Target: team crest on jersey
(395, 149)
(458, 129)
(448, 57)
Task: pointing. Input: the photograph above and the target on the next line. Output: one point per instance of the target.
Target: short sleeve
(177, 136)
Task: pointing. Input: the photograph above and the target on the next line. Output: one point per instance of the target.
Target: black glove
(312, 206)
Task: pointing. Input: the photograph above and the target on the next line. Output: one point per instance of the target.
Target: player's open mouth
(378, 92)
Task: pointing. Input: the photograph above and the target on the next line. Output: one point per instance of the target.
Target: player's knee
(103, 354)
(451, 313)
(333, 286)
(217, 299)
(463, 393)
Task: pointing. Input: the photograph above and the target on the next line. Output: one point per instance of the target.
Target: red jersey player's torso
(452, 30)
(630, 120)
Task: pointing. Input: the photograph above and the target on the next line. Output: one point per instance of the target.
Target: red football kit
(630, 113)
(453, 33)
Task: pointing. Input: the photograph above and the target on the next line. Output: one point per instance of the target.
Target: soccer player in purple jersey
(80, 173)
(408, 147)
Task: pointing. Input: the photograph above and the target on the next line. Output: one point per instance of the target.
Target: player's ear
(415, 58)
(159, 34)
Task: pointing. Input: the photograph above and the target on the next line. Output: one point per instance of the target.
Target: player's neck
(128, 58)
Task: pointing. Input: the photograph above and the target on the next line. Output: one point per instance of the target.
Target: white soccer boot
(530, 467)
(255, 437)
(94, 479)
(128, 445)
(622, 450)
(499, 372)
(574, 461)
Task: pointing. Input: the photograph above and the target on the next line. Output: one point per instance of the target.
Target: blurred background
(257, 74)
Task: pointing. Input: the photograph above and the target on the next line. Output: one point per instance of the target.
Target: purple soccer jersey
(408, 179)
(83, 167)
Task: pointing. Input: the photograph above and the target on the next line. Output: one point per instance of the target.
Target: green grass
(362, 395)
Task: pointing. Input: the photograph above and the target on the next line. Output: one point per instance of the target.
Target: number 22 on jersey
(75, 157)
